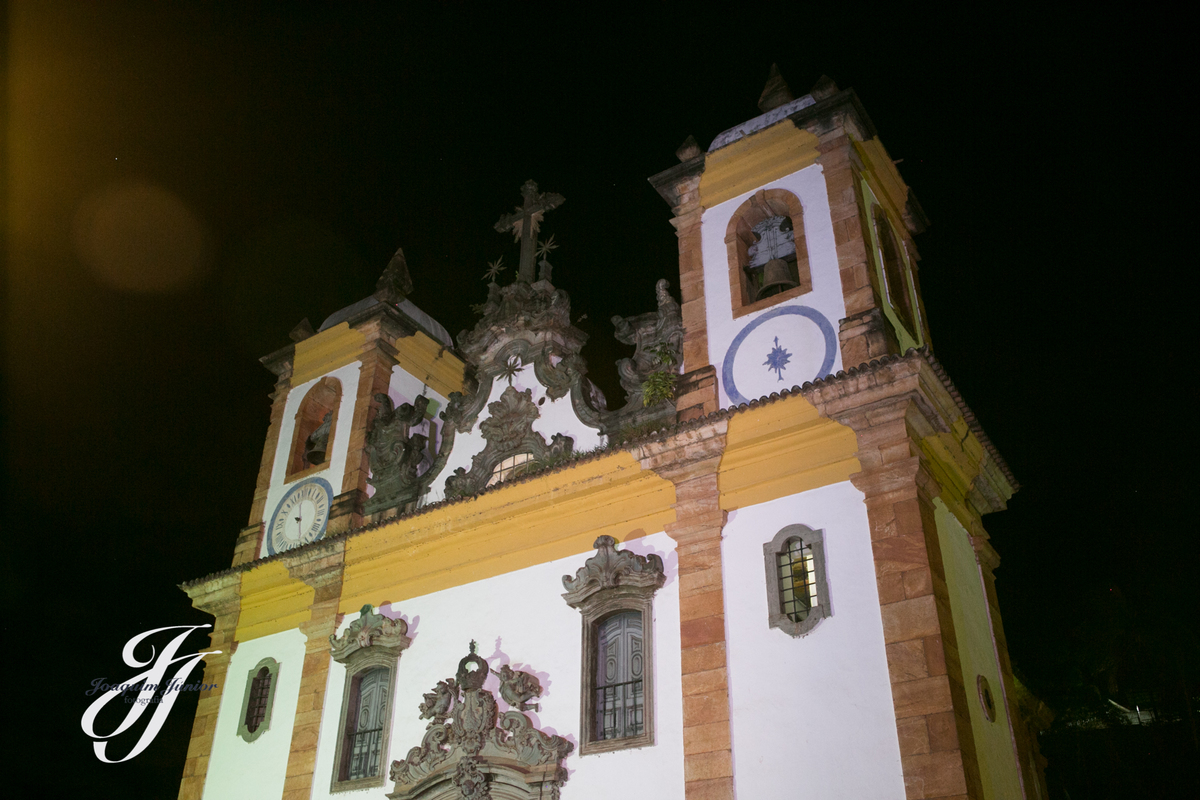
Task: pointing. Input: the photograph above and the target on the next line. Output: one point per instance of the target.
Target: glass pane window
(797, 580)
(620, 690)
(509, 468)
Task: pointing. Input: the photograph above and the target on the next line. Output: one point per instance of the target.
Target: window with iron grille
(614, 592)
(255, 718)
(620, 673)
(797, 591)
(362, 741)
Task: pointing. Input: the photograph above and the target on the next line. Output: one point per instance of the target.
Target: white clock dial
(300, 517)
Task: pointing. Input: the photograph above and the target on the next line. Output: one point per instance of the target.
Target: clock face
(300, 517)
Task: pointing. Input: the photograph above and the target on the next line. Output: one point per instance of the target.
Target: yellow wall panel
(755, 160)
(272, 601)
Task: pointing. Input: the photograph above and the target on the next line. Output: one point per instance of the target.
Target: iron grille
(619, 710)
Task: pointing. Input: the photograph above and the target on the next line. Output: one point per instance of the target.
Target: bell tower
(378, 369)
(796, 255)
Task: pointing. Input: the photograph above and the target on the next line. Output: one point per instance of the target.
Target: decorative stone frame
(372, 640)
(608, 583)
(323, 397)
(273, 670)
(815, 540)
(875, 215)
(739, 236)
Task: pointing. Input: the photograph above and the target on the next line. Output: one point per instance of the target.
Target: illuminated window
(797, 592)
(362, 737)
(510, 468)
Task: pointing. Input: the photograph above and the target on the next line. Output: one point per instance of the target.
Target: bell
(776, 278)
(315, 452)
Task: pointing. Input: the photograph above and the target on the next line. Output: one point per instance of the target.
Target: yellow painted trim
(326, 351)
(429, 361)
(272, 601)
(530, 523)
(955, 459)
(883, 177)
(783, 448)
(421, 356)
(755, 160)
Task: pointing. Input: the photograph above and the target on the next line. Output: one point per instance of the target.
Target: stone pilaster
(374, 377)
(690, 460)
(323, 572)
(680, 187)
(890, 410)
(862, 334)
(219, 597)
(281, 364)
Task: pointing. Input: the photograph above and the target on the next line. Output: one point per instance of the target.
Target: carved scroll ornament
(612, 568)
(470, 752)
(371, 629)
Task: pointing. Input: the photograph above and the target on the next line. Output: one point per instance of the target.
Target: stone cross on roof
(524, 224)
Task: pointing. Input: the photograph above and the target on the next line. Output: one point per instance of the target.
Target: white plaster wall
(998, 770)
(799, 335)
(336, 467)
(557, 416)
(521, 619)
(240, 770)
(812, 716)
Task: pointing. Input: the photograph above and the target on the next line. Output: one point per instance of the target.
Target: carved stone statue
(649, 333)
(396, 455)
(439, 703)
(517, 687)
(657, 338)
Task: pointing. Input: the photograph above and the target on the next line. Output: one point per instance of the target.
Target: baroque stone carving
(652, 334)
(396, 454)
(517, 687)
(371, 629)
(611, 568)
(473, 752)
(508, 430)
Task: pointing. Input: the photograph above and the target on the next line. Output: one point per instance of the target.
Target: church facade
(763, 575)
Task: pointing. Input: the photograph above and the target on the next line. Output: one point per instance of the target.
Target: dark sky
(274, 156)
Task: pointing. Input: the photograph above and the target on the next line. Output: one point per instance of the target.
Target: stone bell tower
(796, 256)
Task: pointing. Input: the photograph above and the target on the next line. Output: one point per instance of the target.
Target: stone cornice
(666, 183)
(832, 392)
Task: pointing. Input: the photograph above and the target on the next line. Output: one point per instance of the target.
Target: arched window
(510, 467)
(370, 650)
(797, 592)
(895, 272)
(316, 420)
(620, 676)
(258, 699)
(614, 592)
(767, 250)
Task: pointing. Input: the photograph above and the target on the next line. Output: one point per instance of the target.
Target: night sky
(187, 182)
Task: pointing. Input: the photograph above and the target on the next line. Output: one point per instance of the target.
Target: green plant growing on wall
(659, 386)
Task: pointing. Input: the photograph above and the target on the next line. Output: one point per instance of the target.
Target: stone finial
(611, 568)
(688, 150)
(395, 283)
(776, 93)
(302, 331)
(824, 87)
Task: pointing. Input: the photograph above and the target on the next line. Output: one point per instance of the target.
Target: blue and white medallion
(798, 344)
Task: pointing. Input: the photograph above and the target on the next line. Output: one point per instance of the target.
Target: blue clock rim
(288, 490)
(808, 312)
